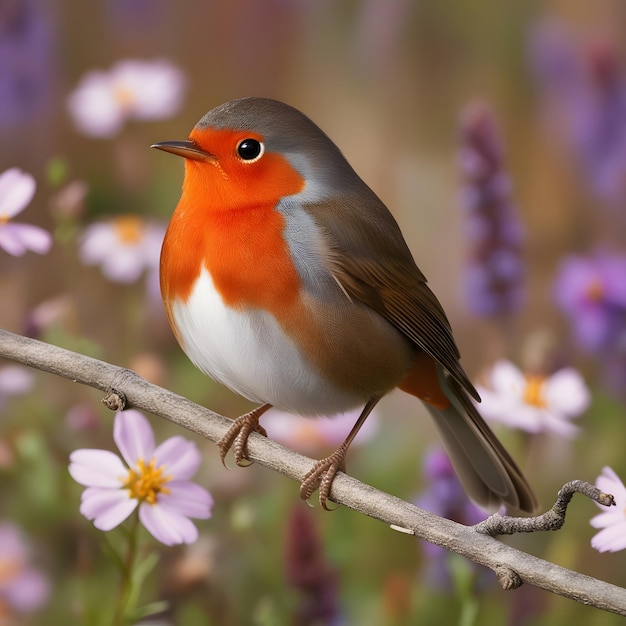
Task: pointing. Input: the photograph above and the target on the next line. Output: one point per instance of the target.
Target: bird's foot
(237, 435)
(322, 475)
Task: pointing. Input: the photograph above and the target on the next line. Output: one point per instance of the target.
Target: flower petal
(565, 391)
(93, 106)
(96, 243)
(610, 517)
(106, 507)
(15, 380)
(167, 526)
(97, 468)
(133, 436)
(9, 243)
(610, 539)
(188, 499)
(610, 482)
(124, 266)
(507, 378)
(16, 190)
(29, 237)
(180, 456)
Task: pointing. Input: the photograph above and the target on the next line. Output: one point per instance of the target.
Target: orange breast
(231, 227)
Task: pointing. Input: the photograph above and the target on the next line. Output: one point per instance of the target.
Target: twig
(126, 389)
(551, 520)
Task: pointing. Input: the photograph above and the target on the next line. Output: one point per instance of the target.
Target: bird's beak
(186, 149)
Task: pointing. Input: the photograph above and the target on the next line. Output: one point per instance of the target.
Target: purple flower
(124, 247)
(591, 291)
(22, 587)
(494, 281)
(612, 520)
(445, 497)
(16, 191)
(155, 480)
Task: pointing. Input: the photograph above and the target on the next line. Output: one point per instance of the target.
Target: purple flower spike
(583, 89)
(494, 274)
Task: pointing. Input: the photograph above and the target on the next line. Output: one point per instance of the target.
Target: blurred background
(495, 133)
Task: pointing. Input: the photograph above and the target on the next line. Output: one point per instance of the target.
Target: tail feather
(486, 470)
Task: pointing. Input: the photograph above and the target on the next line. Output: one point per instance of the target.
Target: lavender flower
(591, 291)
(494, 274)
(155, 480)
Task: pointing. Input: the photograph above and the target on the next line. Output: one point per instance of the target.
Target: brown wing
(371, 261)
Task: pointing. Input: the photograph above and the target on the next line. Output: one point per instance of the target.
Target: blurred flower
(445, 497)
(612, 520)
(380, 28)
(131, 89)
(82, 417)
(591, 291)
(584, 90)
(69, 201)
(533, 402)
(308, 572)
(14, 381)
(156, 480)
(307, 435)
(124, 247)
(16, 190)
(27, 62)
(22, 587)
(47, 314)
(494, 280)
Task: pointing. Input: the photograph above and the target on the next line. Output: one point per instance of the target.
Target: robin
(285, 278)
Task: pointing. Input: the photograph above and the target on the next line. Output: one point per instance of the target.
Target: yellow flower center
(533, 392)
(129, 229)
(595, 290)
(124, 96)
(9, 569)
(146, 482)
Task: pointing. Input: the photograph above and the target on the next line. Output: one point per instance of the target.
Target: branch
(125, 389)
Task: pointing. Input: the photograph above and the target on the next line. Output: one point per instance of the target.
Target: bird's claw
(236, 437)
(322, 475)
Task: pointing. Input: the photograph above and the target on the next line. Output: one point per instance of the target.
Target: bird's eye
(250, 149)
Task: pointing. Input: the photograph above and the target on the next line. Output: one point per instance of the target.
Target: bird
(285, 278)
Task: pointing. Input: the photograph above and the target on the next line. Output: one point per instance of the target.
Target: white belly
(248, 352)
